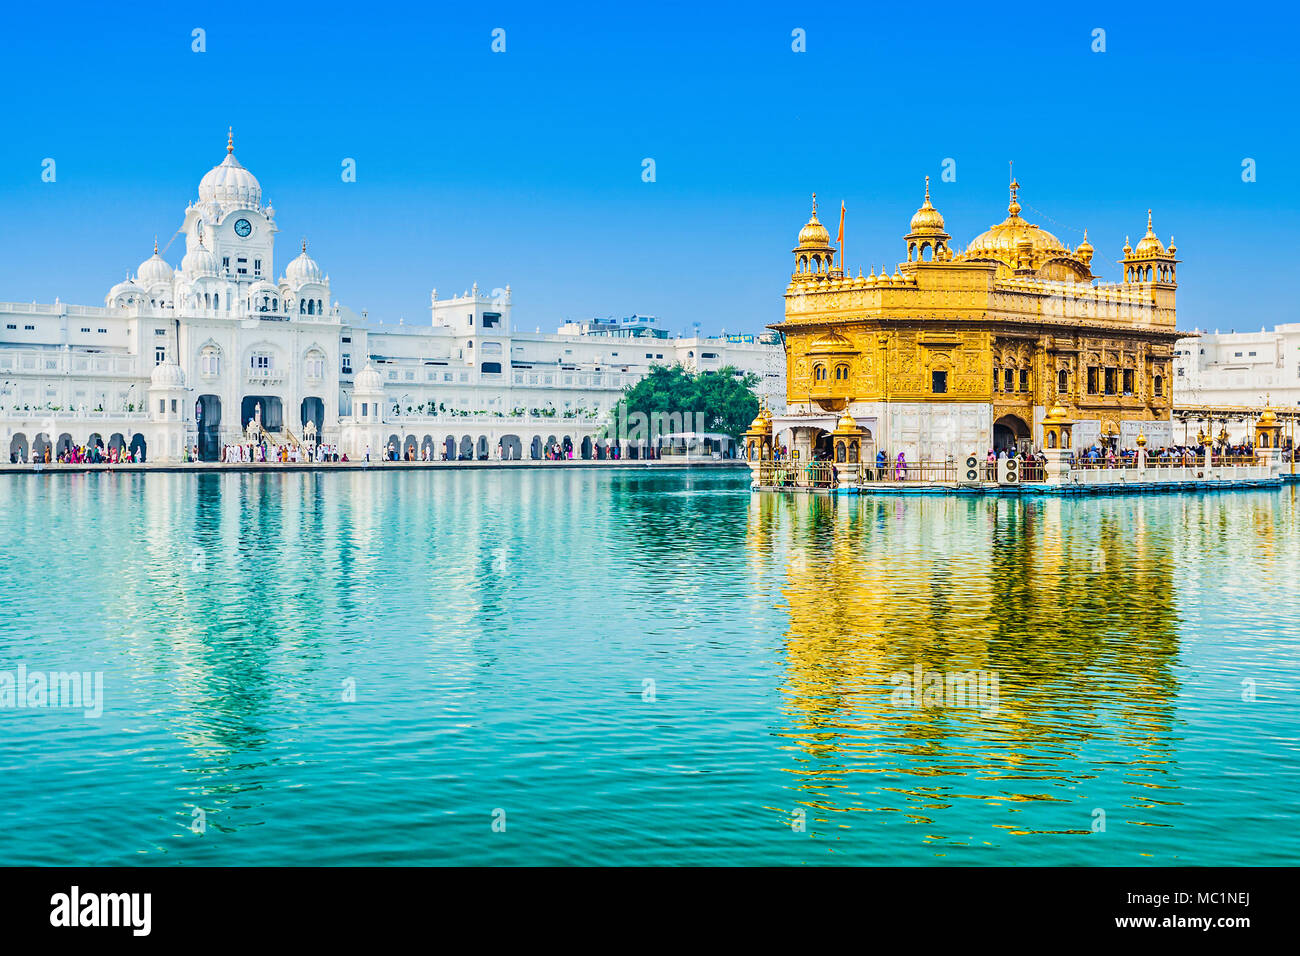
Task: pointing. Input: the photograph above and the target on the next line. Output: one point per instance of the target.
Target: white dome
(199, 261)
(154, 270)
(125, 287)
(167, 375)
(303, 269)
(368, 380)
(230, 183)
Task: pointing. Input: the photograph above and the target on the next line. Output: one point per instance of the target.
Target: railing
(918, 471)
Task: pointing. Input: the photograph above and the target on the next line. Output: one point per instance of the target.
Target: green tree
(724, 400)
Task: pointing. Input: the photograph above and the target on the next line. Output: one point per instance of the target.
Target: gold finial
(1013, 207)
(230, 140)
(1149, 222)
(814, 212)
(155, 245)
(927, 189)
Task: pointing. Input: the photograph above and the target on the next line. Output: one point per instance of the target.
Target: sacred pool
(643, 667)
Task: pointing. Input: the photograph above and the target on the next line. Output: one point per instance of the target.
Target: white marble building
(184, 357)
(1239, 368)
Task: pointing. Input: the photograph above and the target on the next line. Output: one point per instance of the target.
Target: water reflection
(1070, 603)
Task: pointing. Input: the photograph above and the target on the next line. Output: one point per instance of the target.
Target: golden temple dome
(814, 234)
(846, 423)
(1003, 241)
(1149, 245)
(1056, 415)
(1267, 417)
(927, 218)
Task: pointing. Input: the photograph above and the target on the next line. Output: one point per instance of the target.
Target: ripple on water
(645, 667)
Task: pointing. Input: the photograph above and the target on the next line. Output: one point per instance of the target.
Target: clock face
(242, 228)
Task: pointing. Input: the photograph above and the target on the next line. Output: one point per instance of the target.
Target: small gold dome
(1055, 415)
(1150, 244)
(814, 234)
(1268, 417)
(927, 218)
(846, 423)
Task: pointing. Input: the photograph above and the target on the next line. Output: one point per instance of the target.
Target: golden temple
(954, 353)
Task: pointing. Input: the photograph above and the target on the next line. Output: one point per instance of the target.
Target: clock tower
(230, 222)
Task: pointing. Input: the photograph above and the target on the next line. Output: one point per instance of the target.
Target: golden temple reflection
(1075, 618)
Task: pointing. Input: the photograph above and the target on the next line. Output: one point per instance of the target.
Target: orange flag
(840, 238)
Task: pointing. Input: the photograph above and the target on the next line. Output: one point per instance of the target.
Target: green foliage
(724, 399)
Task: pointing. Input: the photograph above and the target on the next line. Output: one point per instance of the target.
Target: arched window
(210, 361)
(1062, 381)
(492, 368)
(311, 306)
(1158, 386)
(819, 373)
(841, 373)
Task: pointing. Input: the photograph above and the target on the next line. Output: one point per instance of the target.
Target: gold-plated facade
(1012, 325)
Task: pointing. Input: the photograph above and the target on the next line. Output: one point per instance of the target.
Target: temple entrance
(313, 410)
(1010, 433)
(207, 416)
(823, 449)
(272, 412)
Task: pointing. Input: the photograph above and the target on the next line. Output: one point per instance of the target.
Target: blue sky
(525, 167)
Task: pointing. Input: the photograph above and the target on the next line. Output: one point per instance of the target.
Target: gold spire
(230, 140)
(814, 212)
(155, 245)
(1013, 207)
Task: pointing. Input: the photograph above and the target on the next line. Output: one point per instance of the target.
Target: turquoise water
(500, 630)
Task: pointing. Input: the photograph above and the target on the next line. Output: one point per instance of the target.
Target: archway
(138, 447)
(18, 447)
(410, 448)
(116, 443)
(272, 411)
(427, 452)
(40, 445)
(1009, 432)
(512, 449)
(313, 410)
(207, 416)
(482, 447)
(466, 448)
(63, 445)
(586, 448)
(392, 447)
(95, 443)
(449, 448)
(535, 448)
